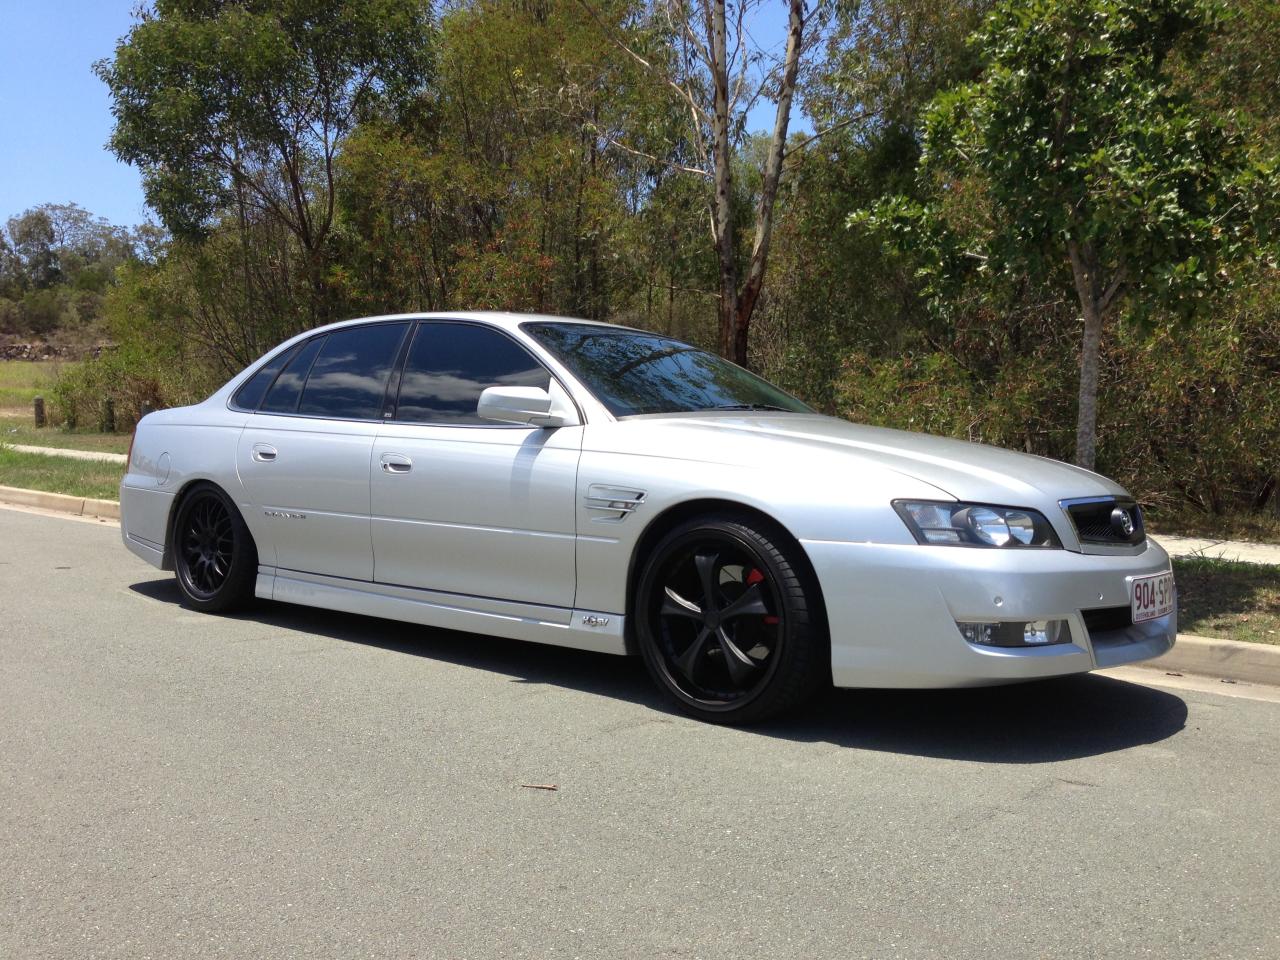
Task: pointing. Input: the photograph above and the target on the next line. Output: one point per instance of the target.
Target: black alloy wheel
(214, 556)
(726, 623)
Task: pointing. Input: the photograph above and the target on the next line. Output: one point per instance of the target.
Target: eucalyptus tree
(717, 65)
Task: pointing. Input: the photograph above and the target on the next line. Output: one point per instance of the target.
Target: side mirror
(529, 405)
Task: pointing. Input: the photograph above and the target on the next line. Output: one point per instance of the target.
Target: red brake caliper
(754, 577)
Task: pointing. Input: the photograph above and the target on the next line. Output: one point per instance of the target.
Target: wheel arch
(679, 513)
(166, 561)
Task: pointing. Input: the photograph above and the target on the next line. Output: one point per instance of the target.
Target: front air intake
(1113, 521)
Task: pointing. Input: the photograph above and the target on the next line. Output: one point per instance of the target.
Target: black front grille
(1105, 619)
(1094, 524)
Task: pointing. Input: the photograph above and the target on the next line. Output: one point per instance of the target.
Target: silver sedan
(610, 489)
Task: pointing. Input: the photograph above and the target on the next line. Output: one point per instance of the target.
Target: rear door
(465, 505)
(304, 455)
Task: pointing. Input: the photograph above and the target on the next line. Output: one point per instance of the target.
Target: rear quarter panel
(171, 450)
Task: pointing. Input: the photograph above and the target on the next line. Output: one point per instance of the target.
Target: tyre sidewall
(777, 693)
(238, 586)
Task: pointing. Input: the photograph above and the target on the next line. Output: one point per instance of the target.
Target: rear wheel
(728, 621)
(214, 557)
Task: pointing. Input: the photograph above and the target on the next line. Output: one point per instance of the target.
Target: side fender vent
(612, 504)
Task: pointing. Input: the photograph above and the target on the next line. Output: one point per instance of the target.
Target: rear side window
(451, 364)
(349, 377)
(254, 389)
(284, 393)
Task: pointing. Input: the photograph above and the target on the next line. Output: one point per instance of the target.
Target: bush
(153, 362)
(1188, 414)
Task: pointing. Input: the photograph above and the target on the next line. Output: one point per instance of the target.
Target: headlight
(975, 525)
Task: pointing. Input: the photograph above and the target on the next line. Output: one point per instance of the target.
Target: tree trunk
(1086, 271)
(746, 304)
(722, 198)
(1087, 417)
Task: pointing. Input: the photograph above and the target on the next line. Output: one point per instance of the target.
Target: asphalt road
(295, 783)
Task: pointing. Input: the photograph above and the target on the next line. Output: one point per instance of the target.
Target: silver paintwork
(531, 532)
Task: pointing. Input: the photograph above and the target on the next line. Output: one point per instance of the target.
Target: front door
(464, 505)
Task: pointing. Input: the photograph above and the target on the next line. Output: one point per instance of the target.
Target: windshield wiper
(746, 406)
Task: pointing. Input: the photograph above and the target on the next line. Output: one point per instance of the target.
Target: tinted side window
(450, 365)
(349, 378)
(284, 393)
(252, 391)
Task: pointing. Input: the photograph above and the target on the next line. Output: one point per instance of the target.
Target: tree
(1075, 162)
(495, 190)
(713, 68)
(243, 105)
(32, 240)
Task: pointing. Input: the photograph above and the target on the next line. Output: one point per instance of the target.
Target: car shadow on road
(1040, 722)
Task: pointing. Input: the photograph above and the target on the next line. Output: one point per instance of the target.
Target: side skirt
(559, 626)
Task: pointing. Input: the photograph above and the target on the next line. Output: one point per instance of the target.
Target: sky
(55, 115)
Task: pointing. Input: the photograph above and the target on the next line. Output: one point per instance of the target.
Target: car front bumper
(893, 611)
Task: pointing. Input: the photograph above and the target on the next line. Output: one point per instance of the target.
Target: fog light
(1035, 633)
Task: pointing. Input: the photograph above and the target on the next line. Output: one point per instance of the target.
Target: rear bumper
(893, 610)
(144, 518)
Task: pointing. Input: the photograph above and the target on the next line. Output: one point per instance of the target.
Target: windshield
(634, 373)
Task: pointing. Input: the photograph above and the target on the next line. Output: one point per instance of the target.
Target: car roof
(496, 318)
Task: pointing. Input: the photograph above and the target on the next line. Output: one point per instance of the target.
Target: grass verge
(79, 478)
(1228, 600)
(17, 428)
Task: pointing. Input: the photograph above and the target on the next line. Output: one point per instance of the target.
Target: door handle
(396, 463)
(264, 452)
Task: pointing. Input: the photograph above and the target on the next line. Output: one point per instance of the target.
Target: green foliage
(1075, 165)
(1188, 413)
(1075, 135)
(56, 263)
(1192, 411)
(522, 161)
(173, 342)
(257, 94)
(502, 189)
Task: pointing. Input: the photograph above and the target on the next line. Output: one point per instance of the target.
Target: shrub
(1188, 419)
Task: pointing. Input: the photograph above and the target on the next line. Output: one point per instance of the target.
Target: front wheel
(729, 621)
(214, 557)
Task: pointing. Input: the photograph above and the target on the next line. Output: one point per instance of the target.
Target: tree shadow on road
(1040, 722)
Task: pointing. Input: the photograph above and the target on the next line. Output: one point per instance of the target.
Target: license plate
(1153, 597)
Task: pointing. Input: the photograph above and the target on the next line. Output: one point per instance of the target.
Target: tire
(214, 557)
(761, 650)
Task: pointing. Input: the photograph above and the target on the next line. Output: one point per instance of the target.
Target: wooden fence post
(39, 409)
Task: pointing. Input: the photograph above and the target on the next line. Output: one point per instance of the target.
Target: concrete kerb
(61, 503)
(1200, 656)
(1222, 659)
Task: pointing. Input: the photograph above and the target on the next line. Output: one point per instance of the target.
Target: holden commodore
(610, 489)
